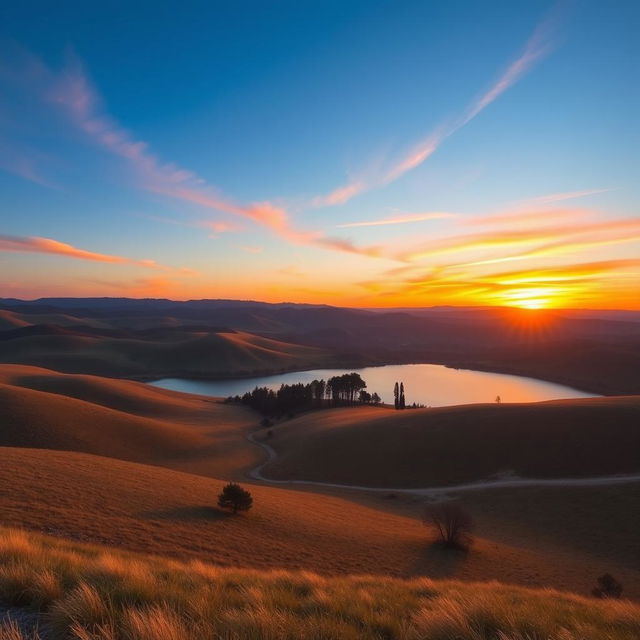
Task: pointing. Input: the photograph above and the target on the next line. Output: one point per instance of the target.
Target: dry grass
(98, 594)
(149, 509)
(448, 445)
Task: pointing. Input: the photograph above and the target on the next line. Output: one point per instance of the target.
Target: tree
(452, 523)
(608, 587)
(401, 401)
(235, 498)
(396, 396)
(375, 398)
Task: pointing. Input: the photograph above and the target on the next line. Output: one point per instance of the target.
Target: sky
(360, 153)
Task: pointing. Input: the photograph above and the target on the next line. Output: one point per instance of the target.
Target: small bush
(452, 523)
(608, 587)
(235, 498)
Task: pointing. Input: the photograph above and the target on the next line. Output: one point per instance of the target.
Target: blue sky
(294, 119)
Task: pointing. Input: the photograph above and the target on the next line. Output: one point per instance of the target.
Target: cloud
(34, 244)
(563, 285)
(597, 232)
(73, 93)
(340, 195)
(530, 217)
(400, 219)
(559, 197)
(538, 46)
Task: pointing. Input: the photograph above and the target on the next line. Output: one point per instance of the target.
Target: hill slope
(380, 447)
(87, 591)
(122, 419)
(170, 353)
(154, 510)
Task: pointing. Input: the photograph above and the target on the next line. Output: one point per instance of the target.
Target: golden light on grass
(101, 593)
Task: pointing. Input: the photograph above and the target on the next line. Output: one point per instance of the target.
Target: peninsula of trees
(347, 389)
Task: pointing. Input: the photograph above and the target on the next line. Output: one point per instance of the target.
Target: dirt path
(497, 483)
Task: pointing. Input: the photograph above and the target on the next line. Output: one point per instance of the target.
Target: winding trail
(498, 483)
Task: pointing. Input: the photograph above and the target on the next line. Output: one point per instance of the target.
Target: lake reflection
(429, 384)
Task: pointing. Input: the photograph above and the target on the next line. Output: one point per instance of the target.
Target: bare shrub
(452, 523)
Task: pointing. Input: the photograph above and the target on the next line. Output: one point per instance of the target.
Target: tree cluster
(346, 389)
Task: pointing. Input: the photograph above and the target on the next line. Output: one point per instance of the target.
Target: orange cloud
(530, 217)
(31, 244)
(73, 92)
(557, 235)
(601, 283)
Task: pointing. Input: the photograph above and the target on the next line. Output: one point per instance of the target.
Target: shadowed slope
(183, 353)
(123, 419)
(380, 447)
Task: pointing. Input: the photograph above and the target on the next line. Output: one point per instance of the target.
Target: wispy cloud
(596, 231)
(341, 194)
(400, 219)
(559, 197)
(73, 92)
(34, 244)
(539, 45)
(548, 286)
(530, 217)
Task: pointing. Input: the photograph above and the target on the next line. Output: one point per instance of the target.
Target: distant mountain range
(597, 351)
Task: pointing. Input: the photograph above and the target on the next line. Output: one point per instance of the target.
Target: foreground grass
(92, 593)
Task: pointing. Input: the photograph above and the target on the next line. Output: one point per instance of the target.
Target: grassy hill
(380, 447)
(83, 592)
(172, 353)
(122, 419)
(156, 510)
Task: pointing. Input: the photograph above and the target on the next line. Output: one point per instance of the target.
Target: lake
(433, 385)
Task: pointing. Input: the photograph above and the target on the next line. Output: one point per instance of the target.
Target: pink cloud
(73, 92)
(341, 194)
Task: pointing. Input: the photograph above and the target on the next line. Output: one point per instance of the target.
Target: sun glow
(532, 298)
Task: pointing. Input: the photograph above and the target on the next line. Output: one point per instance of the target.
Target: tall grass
(92, 593)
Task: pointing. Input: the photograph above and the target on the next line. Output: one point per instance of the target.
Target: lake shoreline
(595, 387)
(435, 385)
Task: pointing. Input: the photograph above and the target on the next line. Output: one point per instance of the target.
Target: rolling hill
(184, 353)
(379, 447)
(123, 419)
(154, 510)
(593, 351)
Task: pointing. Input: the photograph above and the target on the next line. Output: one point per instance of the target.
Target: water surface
(433, 385)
